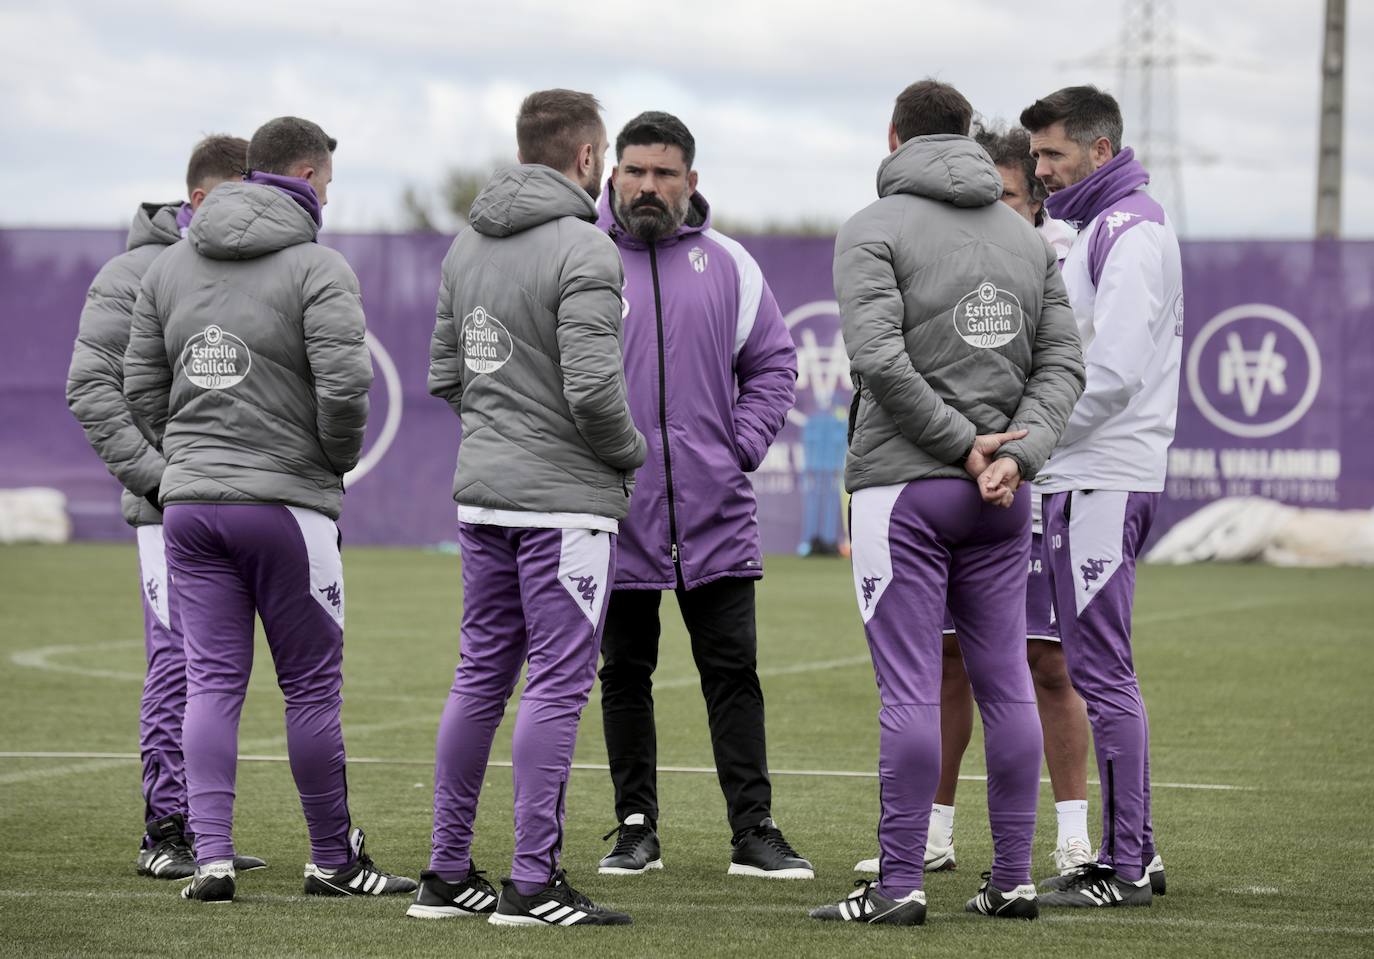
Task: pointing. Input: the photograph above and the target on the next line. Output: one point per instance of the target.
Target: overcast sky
(100, 102)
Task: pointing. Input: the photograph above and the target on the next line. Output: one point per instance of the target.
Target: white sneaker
(1072, 853)
(938, 859)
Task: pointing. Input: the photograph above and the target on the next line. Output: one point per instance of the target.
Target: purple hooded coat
(697, 307)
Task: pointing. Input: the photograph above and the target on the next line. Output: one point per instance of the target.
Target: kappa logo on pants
(586, 586)
(584, 563)
(870, 517)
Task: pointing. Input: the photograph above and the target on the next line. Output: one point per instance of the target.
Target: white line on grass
(597, 767)
(41, 658)
(1134, 918)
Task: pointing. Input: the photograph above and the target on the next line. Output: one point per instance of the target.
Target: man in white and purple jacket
(710, 369)
(1104, 479)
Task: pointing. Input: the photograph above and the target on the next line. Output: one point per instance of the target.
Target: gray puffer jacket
(955, 319)
(527, 350)
(95, 381)
(247, 357)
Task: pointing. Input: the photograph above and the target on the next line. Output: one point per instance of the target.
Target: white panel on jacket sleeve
(750, 287)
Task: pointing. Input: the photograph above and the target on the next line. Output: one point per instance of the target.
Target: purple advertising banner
(1276, 396)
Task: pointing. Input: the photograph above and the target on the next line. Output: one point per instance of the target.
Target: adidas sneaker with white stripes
(363, 878)
(866, 904)
(1018, 903)
(436, 899)
(1096, 885)
(557, 904)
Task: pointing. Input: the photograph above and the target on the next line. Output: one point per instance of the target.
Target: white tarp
(1252, 528)
(34, 515)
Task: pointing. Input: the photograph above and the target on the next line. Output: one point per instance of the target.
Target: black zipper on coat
(663, 421)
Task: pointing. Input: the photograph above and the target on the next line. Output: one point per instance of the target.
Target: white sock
(941, 832)
(1073, 820)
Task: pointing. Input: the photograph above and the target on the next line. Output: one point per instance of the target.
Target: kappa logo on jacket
(988, 317)
(487, 344)
(216, 360)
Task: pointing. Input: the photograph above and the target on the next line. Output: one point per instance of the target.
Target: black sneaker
(170, 855)
(1155, 870)
(1095, 885)
(557, 904)
(362, 878)
(248, 863)
(1019, 903)
(636, 850)
(212, 882)
(436, 899)
(866, 904)
(762, 851)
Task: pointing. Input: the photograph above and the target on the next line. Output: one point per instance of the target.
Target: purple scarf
(1109, 183)
(184, 217)
(297, 189)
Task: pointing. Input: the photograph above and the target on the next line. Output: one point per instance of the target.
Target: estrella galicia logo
(487, 344)
(332, 595)
(586, 588)
(988, 317)
(870, 583)
(1092, 570)
(1254, 370)
(216, 360)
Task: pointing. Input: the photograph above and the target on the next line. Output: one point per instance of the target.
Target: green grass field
(1258, 683)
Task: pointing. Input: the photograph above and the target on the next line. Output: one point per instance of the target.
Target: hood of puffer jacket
(522, 197)
(154, 223)
(944, 167)
(242, 221)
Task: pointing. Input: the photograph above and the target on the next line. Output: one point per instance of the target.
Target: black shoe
(1155, 870)
(212, 882)
(762, 851)
(436, 899)
(1094, 885)
(170, 856)
(866, 904)
(362, 878)
(1019, 903)
(557, 904)
(636, 851)
(248, 863)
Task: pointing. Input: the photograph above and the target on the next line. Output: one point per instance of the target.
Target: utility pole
(1330, 144)
(1148, 90)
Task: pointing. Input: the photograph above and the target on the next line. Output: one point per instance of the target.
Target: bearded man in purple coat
(710, 369)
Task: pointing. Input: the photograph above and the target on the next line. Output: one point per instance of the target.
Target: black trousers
(720, 620)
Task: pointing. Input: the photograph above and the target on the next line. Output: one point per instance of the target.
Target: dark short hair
(282, 144)
(218, 157)
(1087, 113)
(1012, 149)
(553, 125)
(929, 106)
(652, 127)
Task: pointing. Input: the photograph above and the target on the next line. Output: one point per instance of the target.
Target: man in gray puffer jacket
(248, 363)
(966, 365)
(527, 351)
(95, 393)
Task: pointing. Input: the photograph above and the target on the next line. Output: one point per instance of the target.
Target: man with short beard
(1105, 477)
(95, 393)
(710, 368)
(526, 350)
